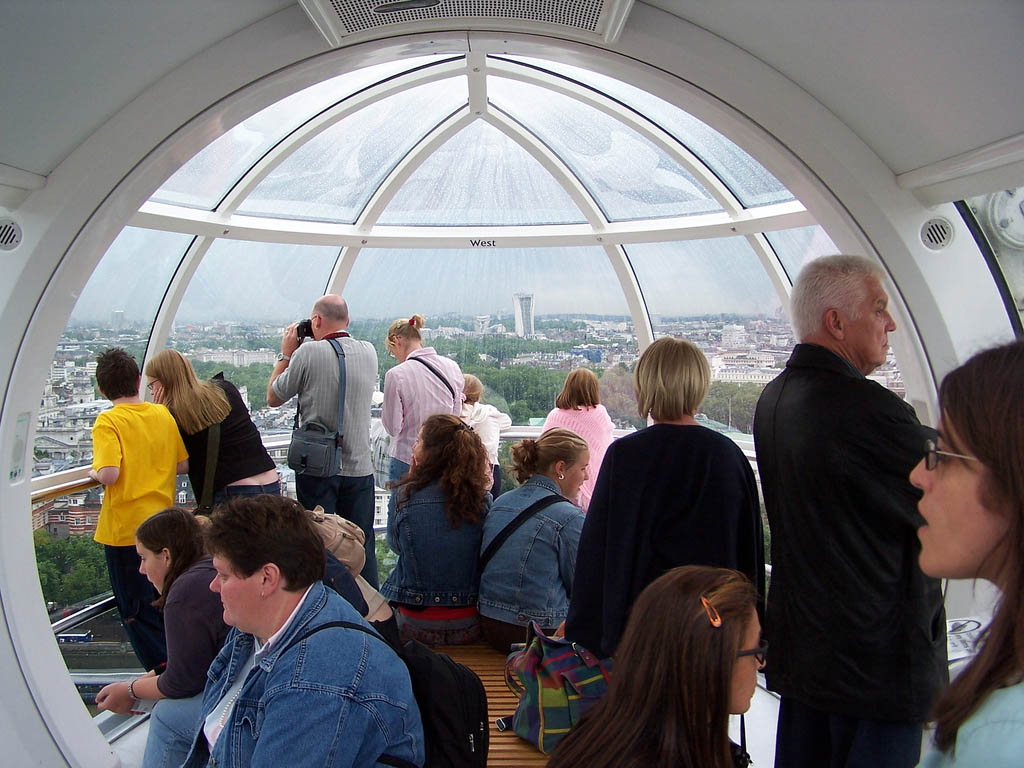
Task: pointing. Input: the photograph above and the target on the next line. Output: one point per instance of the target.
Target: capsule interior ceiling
(225, 162)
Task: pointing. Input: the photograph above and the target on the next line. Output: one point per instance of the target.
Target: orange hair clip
(709, 609)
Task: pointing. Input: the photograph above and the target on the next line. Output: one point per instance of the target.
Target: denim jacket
(530, 576)
(338, 698)
(437, 564)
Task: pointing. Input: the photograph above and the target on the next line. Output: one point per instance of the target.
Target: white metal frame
(71, 220)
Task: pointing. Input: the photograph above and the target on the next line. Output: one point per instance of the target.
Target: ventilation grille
(10, 235)
(596, 19)
(936, 234)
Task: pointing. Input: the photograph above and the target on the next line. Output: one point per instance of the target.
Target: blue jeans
(350, 497)
(228, 491)
(171, 727)
(809, 738)
(134, 596)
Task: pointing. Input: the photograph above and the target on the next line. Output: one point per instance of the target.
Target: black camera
(304, 329)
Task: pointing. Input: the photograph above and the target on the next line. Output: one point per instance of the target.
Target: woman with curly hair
(436, 531)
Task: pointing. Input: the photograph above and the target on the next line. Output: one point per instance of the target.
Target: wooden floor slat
(506, 749)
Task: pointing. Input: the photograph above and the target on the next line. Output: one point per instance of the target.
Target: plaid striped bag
(556, 681)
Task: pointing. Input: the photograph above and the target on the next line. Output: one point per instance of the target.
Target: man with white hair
(856, 630)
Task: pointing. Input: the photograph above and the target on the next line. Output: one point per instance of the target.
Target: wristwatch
(282, 356)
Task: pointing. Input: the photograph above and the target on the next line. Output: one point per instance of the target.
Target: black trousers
(809, 738)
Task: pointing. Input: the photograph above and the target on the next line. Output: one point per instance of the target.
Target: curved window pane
(795, 247)
(331, 177)
(481, 176)
(628, 175)
(116, 308)
(571, 312)
(702, 278)
(204, 180)
(750, 181)
(243, 282)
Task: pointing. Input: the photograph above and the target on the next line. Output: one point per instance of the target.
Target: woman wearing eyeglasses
(693, 650)
(973, 507)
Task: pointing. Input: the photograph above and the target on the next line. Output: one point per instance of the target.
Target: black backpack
(451, 700)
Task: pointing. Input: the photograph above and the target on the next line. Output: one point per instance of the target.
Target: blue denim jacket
(338, 698)
(437, 564)
(530, 577)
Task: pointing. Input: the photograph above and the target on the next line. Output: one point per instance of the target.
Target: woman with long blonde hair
(243, 466)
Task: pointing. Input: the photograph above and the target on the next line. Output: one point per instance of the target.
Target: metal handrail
(85, 614)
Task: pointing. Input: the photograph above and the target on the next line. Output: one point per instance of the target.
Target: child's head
(117, 374)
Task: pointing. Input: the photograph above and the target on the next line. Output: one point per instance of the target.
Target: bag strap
(340, 431)
(212, 451)
(513, 526)
(397, 762)
(341, 390)
(436, 372)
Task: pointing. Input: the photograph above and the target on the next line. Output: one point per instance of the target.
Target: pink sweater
(595, 426)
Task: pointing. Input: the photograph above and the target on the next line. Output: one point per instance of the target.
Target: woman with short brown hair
(578, 408)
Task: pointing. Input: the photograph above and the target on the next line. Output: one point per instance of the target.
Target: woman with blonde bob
(529, 578)
(694, 648)
(578, 408)
(243, 466)
(675, 493)
(972, 480)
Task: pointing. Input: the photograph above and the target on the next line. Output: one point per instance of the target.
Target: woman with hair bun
(529, 578)
(436, 529)
(693, 646)
(422, 384)
(487, 421)
(578, 407)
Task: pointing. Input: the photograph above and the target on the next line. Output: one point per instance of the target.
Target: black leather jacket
(854, 626)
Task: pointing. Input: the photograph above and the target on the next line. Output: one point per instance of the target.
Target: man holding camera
(310, 370)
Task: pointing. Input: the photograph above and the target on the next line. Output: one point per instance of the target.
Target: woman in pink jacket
(578, 407)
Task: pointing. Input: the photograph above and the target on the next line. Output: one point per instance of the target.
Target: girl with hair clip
(578, 408)
(436, 530)
(170, 544)
(529, 576)
(422, 384)
(693, 649)
(487, 421)
(972, 480)
(243, 466)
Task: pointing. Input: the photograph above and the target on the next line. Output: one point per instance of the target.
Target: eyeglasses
(758, 653)
(149, 386)
(932, 453)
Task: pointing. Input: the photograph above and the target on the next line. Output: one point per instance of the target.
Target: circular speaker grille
(936, 234)
(10, 235)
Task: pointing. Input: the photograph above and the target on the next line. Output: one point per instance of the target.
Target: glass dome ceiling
(445, 184)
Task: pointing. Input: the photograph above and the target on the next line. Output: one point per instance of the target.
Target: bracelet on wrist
(131, 690)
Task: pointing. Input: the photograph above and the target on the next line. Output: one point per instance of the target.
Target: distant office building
(117, 319)
(481, 323)
(734, 336)
(522, 305)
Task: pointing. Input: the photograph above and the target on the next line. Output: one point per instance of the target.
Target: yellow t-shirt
(142, 441)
